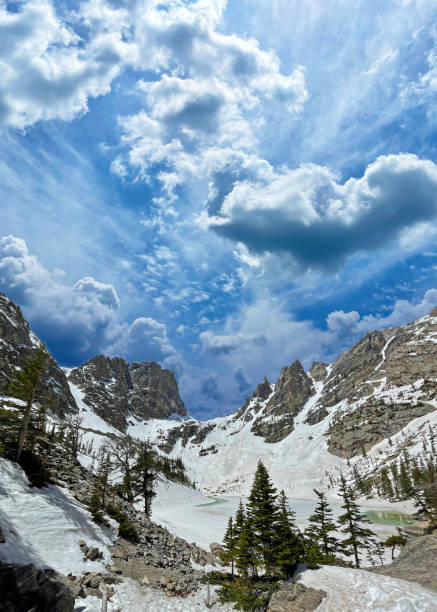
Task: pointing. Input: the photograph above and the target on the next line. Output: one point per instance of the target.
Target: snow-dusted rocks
(116, 390)
(16, 342)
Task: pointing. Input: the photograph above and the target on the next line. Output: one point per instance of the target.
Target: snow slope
(43, 526)
(358, 591)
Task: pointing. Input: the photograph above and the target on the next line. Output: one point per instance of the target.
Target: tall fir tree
(358, 536)
(322, 526)
(24, 386)
(229, 545)
(263, 513)
(144, 474)
(289, 546)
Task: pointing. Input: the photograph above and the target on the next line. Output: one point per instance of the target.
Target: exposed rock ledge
(417, 562)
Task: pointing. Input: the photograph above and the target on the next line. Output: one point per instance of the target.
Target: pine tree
(144, 475)
(393, 541)
(289, 547)
(263, 513)
(246, 559)
(352, 520)
(24, 386)
(239, 519)
(321, 526)
(229, 544)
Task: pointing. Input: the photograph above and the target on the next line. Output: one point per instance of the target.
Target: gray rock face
(116, 390)
(295, 597)
(402, 358)
(318, 370)
(292, 390)
(417, 562)
(17, 342)
(24, 587)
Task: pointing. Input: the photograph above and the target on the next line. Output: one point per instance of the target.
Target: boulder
(417, 562)
(295, 597)
(24, 587)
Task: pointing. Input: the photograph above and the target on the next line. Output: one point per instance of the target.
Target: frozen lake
(205, 522)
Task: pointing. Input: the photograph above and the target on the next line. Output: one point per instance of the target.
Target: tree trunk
(24, 426)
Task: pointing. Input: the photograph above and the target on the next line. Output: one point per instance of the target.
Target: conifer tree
(144, 475)
(321, 526)
(24, 386)
(289, 547)
(245, 551)
(393, 541)
(263, 513)
(229, 544)
(239, 519)
(358, 537)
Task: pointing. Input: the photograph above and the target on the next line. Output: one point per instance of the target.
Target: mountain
(111, 388)
(306, 426)
(116, 390)
(18, 341)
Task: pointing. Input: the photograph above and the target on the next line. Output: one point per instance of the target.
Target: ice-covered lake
(203, 519)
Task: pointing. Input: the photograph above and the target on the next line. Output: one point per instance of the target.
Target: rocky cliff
(17, 341)
(117, 390)
(112, 388)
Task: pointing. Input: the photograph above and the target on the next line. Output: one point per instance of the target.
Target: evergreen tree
(239, 519)
(229, 544)
(246, 559)
(24, 386)
(321, 526)
(393, 541)
(144, 475)
(263, 513)
(289, 547)
(358, 537)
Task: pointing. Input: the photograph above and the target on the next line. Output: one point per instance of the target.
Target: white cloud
(307, 213)
(81, 319)
(47, 70)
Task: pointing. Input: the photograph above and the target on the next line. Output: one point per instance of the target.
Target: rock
(170, 586)
(82, 543)
(114, 569)
(27, 588)
(115, 389)
(417, 562)
(145, 580)
(93, 554)
(317, 415)
(318, 370)
(118, 553)
(2, 537)
(215, 547)
(18, 342)
(418, 528)
(292, 389)
(295, 597)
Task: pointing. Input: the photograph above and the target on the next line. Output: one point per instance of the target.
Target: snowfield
(351, 590)
(43, 526)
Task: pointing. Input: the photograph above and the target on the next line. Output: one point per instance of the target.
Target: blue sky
(220, 186)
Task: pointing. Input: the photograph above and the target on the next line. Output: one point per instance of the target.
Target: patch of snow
(43, 526)
(358, 590)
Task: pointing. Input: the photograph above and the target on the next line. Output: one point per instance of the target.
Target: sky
(222, 186)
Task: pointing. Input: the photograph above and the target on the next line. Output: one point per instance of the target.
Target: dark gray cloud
(320, 221)
(242, 382)
(210, 388)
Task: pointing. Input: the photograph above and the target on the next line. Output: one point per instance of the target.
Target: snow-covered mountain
(374, 400)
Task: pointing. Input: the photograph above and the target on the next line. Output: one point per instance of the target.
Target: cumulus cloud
(144, 340)
(308, 213)
(218, 344)
(48, 71)
(78, 320)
